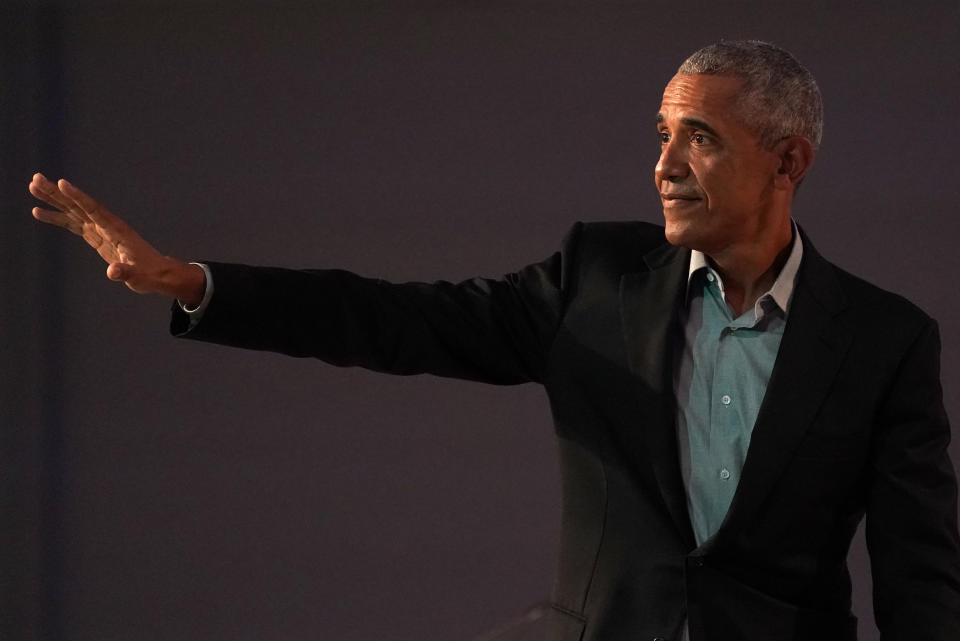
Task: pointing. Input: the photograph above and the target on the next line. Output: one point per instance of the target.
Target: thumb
(119, 271)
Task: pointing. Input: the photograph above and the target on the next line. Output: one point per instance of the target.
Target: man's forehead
(700, 96)
(687, 87)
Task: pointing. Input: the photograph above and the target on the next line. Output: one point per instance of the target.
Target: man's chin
(676, 234)
(683, 236)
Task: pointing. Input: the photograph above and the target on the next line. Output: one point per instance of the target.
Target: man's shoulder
(864, 297)
(867, 294)
(615, 237)
(610, 248)
(632, 230)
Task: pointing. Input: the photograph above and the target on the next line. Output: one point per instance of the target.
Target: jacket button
(659, 639)
(696, 561)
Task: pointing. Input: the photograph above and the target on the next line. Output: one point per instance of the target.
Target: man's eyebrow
(693, 123)
(696, 123)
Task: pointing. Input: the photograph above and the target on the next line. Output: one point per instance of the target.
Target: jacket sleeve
(490, 330)
(911, 525)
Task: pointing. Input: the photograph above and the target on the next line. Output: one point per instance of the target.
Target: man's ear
(796, 155)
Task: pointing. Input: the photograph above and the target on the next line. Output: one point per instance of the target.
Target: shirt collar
(782, 289)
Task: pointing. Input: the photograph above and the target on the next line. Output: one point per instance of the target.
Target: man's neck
(748, 271)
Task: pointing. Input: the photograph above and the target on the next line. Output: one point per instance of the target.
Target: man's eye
(664, 137)
(699, 139)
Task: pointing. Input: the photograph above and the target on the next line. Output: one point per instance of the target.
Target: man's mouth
(678, 196)
(678, 200)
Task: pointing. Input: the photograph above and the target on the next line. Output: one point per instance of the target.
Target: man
(728, 404)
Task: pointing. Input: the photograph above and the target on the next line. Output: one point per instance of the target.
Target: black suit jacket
(852, 423)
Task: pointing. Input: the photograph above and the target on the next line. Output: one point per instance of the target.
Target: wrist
(186, 282)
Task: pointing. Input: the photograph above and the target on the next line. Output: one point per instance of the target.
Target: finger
(48, 192)
(72, 212)
(118, 271)
(94, 210)
(87, 232)
(59, 219)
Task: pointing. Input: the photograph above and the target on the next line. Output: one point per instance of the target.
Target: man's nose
(673, 165)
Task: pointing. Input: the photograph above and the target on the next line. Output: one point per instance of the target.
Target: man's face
(714, 177)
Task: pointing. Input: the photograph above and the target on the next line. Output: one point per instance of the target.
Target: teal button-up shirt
(721, 375)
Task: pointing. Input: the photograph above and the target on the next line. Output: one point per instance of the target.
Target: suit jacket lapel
(811, 351)
(649, 302)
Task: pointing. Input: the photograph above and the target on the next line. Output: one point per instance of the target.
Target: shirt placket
(724, 416)
(726, 424)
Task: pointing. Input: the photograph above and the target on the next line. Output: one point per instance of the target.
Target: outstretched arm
(129, 257)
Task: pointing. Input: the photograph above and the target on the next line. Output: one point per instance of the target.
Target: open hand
(129, 257)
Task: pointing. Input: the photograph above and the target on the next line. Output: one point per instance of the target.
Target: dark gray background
(156, 489)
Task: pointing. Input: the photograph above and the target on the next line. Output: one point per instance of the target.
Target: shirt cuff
(196, 313)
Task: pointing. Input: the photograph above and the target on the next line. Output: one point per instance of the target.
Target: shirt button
(710, 277)
(724, 474)
(725, 399)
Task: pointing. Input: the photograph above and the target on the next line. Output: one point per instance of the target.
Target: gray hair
(779, 97)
